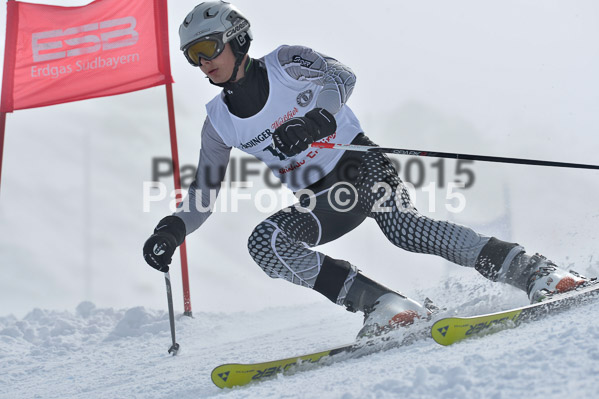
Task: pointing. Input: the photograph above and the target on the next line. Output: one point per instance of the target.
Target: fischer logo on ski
(224, 376)
(443, 330)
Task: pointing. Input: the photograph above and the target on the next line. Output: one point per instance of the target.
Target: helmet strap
(238, 60)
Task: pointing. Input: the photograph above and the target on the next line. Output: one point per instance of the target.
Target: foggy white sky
(513, 78)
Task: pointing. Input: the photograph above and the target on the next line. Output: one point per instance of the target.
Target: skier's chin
(217, 78)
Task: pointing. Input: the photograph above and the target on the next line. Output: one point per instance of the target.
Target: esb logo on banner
(96, 39)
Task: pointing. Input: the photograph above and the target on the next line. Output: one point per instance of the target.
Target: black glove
(160, 247)
(296, 135)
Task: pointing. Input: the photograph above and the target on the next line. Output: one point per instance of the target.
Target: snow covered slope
(106, 353)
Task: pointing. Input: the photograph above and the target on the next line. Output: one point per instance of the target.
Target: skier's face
(220, 69)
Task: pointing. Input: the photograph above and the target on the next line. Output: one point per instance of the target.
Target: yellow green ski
(235, 374)
(453, 329)
(445, 331)
(231, 375)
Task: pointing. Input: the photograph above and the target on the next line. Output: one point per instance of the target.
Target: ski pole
(171, 313)
(365, 148)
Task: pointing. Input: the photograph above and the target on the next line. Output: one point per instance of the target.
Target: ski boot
(536, 275)
(548, 280)
(384, 309)
(390, 312)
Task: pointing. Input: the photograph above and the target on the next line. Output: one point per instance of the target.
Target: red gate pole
(177, 177)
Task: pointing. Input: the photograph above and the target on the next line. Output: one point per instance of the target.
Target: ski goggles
(206, 48)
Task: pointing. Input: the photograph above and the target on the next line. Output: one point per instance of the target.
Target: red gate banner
(58, 54)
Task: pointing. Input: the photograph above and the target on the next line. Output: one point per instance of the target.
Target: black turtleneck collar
(247, 96)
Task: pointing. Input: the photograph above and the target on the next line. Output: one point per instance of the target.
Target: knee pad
(260, 247)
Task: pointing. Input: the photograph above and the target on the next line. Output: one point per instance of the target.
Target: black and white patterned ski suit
(282, 244)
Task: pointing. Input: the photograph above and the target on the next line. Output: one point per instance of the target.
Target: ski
(449, 330)
(445, 331)
(236, 374)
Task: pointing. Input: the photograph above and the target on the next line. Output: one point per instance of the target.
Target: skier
(273, 108)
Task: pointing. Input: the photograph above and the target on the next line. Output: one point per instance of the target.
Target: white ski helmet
(208, 27)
